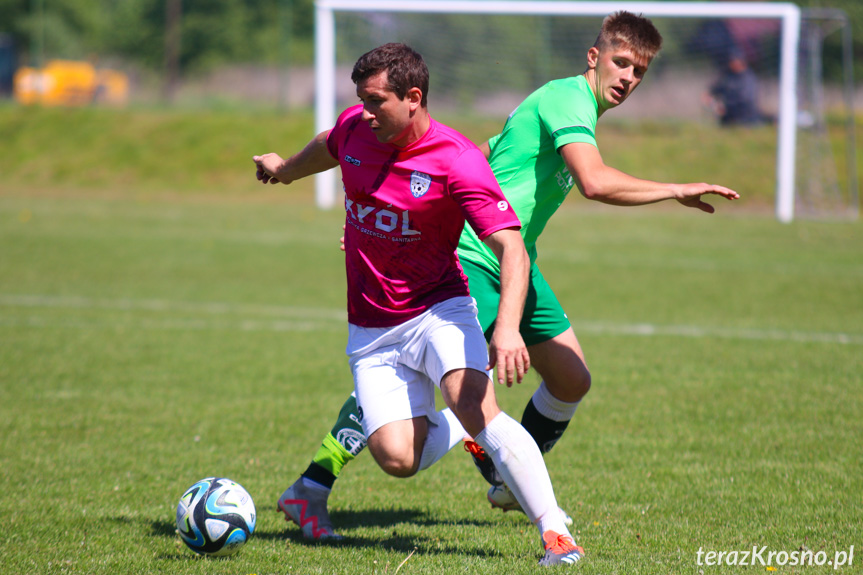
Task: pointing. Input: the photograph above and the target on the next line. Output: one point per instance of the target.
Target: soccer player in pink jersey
(410, 185)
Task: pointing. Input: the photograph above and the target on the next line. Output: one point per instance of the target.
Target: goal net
(486, 57)
(826, 169)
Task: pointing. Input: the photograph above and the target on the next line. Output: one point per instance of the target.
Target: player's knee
(468, 406)
(474, 403)
(578, 384)
(570, 384)
(394, 456)
(582, 382)
(398, 468)
(397, 464)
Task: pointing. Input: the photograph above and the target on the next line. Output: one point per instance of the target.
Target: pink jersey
(406, 208)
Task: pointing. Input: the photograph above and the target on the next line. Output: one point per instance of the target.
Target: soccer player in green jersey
(547, 145)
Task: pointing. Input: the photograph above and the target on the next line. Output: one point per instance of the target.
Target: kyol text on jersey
(383, 222)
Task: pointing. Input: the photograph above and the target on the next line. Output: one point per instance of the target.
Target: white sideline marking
(649, 330)
(310, 319)
(819, 269)
(173, 324)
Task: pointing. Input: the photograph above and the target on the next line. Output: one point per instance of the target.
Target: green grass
(154, 152)
(142, 269)
(145, 151)
(146, 342)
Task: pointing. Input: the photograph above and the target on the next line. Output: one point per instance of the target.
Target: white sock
(551, 407)
(441, 438)
(520, 462)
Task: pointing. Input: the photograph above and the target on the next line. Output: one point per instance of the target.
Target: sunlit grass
(147, 344)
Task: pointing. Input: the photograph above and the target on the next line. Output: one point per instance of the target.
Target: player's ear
(415, 98)
(592, 57)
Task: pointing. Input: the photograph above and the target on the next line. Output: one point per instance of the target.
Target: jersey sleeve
(492, 142)
(474, 187)
(569, 116)
(344, 124)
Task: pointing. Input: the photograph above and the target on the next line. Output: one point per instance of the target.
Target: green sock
(341, 445)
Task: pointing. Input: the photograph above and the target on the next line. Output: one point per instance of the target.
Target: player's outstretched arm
(690, 195)
(313, 159)
(597, 181)
(506, 348)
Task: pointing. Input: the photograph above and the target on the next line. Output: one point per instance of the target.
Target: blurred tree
(173, 39)
(215, 32)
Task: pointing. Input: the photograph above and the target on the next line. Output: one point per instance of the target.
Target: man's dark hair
(635, 32)
(404, 66)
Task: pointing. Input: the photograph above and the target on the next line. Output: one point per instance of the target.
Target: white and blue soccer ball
(216, 517)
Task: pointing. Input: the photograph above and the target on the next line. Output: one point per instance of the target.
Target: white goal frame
(788, 14)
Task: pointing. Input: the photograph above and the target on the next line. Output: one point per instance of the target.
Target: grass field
(144, 345)
(150, 337)
(168, 152)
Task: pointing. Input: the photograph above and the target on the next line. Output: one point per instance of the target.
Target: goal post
(788, 15)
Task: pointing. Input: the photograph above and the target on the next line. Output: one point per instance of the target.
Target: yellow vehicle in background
(70, 83)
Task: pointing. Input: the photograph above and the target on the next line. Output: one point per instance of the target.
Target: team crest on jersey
(420, 183)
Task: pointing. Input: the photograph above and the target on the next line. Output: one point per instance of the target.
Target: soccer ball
(215, 517)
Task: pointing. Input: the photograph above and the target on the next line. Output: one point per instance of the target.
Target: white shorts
(396, 369)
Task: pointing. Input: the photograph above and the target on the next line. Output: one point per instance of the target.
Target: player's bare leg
(397, 447)
(560, 361)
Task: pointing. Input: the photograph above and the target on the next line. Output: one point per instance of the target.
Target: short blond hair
(633, 31)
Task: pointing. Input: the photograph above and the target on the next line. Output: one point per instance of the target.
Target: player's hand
(507, 351)
(268, 166)
(690, 195)
(342, 239)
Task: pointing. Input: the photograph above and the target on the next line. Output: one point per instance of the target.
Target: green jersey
(527, 165)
